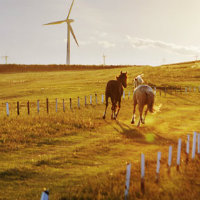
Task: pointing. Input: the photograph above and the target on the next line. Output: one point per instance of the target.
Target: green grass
(77, 154)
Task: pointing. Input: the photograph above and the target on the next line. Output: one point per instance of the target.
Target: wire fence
(61, 105)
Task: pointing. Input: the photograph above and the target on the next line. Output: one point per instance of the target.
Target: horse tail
(150, 101)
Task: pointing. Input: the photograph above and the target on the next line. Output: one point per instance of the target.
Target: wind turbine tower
(69, 31)
(6, 59)
(104, 59)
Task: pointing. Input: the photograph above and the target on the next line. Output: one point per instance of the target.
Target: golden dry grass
(77, 154)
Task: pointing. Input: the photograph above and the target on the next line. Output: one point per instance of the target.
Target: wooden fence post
(128, 175)
(7, 109)
(178, 155)
(18, 108)
(142, 173)
(47, 104)
(28, 107)
(194, 145)
(63, 105)
(96, 98)
(123, 95)
(38, 106)
(85, 101)
(158, 167)
(70, 103)
(56, 105)
(90, 99)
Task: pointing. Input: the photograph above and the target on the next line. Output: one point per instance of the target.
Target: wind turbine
(6, 59)
(104, 59)
(69, 30)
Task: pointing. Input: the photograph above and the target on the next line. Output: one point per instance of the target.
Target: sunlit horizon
(127, 33)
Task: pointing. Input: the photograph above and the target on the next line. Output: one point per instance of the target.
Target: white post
(187, 148)
(198, 150)
(185, 89)
(78, 102)
(123, 94)
(142, 172)
(56, 105)
(158, 166)
(129, 94)
(194, 145)
(38, 106)
(154, 90)
(178, 154)
(194, 89)
(170, 156)
(169, 159)
(102, 98)
(128, 175)
(7, 109)
(90, 99)
(45, 195)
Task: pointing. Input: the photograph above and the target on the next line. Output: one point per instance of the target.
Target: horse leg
(104, 116)
(134, 107)
(113, 116)
(145, 113)
(119, 106)
(140, 111)
(112, 108)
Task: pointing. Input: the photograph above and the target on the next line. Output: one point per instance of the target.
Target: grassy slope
(77, 154)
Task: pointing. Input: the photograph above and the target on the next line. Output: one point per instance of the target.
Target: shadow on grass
(17, 174)
(143, 134)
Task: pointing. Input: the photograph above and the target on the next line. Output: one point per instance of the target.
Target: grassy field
(77, 154)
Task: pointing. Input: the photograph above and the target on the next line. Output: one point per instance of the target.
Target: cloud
(106, 44)
(183, 50)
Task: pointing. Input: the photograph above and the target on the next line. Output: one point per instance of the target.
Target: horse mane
(120, 76)
(138, 80)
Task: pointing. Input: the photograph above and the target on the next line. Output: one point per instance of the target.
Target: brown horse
(114, 90)
(143, 95)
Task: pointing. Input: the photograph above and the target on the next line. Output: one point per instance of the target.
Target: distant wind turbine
(6, 59)
(69, 30)
(104, 59)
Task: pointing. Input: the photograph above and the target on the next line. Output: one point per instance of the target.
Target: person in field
(142, 95)
(114, 90)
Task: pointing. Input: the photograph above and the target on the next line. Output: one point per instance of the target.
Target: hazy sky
(132, 32)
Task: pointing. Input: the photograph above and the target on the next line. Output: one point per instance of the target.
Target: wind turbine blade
(57, 22)
(70, 9)
(73, 34)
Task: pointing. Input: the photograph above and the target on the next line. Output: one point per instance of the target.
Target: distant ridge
(15, 68)
(182, 63)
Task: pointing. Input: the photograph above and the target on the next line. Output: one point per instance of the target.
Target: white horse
(143, 95)
(138, 80)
